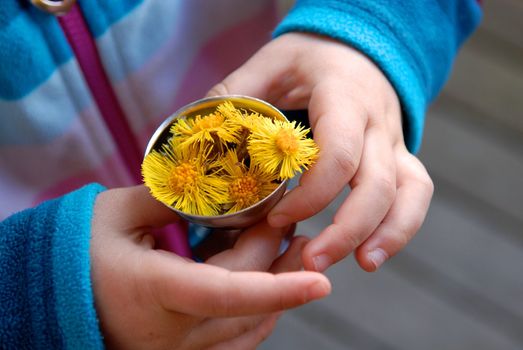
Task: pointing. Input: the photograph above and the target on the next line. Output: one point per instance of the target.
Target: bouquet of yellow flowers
(225, 161)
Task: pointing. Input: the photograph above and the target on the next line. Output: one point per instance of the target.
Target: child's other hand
(151, 299)
(356, 119)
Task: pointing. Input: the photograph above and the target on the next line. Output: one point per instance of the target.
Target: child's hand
(356, 119)
(153, 299)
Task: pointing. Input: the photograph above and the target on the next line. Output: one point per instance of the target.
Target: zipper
(172, 237)
(82, 43)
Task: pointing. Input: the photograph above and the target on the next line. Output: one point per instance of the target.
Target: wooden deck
(459, 284)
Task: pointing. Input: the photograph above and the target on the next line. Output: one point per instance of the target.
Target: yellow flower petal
(247, 186)
(226, 161)
(177, 177)
(280, 147)
(217, 127)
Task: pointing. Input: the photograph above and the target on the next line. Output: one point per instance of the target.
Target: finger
(206, 290)
(132, 207)
(405, 216)
(291, 259)
(255, 250)
(250, 340)
(338, 126)
(218, 330)
(373, 192)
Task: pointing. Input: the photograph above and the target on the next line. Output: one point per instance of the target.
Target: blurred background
(459, 283)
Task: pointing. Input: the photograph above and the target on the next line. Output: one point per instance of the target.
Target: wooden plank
(473, 160)
(399, 314)
(503, 18)
(476, 265)
(409, 317)
(292, 332)
(488, 73)
(489, 83)
(394, 310)
(468, 247)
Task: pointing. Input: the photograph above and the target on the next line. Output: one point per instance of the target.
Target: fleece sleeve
(414, 42)
(46, 300)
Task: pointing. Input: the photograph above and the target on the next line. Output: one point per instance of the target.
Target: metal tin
(247, 216)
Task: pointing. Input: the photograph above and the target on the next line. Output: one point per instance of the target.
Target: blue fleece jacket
(414, 42)
(46, 300)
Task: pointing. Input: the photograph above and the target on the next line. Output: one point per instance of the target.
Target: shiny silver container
(247, 216)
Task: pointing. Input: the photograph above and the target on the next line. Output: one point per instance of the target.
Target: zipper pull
(54, 7)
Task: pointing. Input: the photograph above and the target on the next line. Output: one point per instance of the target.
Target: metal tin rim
(189, 106)
(167, 122)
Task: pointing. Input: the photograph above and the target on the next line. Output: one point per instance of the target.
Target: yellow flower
(214, 128)
(247, 186)
(249, 121)
(226, 161)
(177, 176)
(228, 110)
(281, 147)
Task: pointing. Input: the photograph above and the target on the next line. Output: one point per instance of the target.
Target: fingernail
(321, 262)
(377, 257)
(317, 290)
(279, 220)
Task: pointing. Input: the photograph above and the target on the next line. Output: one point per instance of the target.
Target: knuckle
(386, 185)
(312, 205)
(425, 182)
(397, 241)
(412, 226)
(227, 305)
(404, 234)
(350, 241)
(428, 184)
(282, 302)
(400, 235)
(248, 325)
(344, 161)
(223, 304)
(407, 231)
(420, 174)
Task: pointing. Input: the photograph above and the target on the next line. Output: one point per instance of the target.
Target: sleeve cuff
(371, 39)
(414, 55)
(74, 300)
(46, 299)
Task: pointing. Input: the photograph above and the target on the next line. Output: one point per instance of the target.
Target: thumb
(132, 207)
(260, 77)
